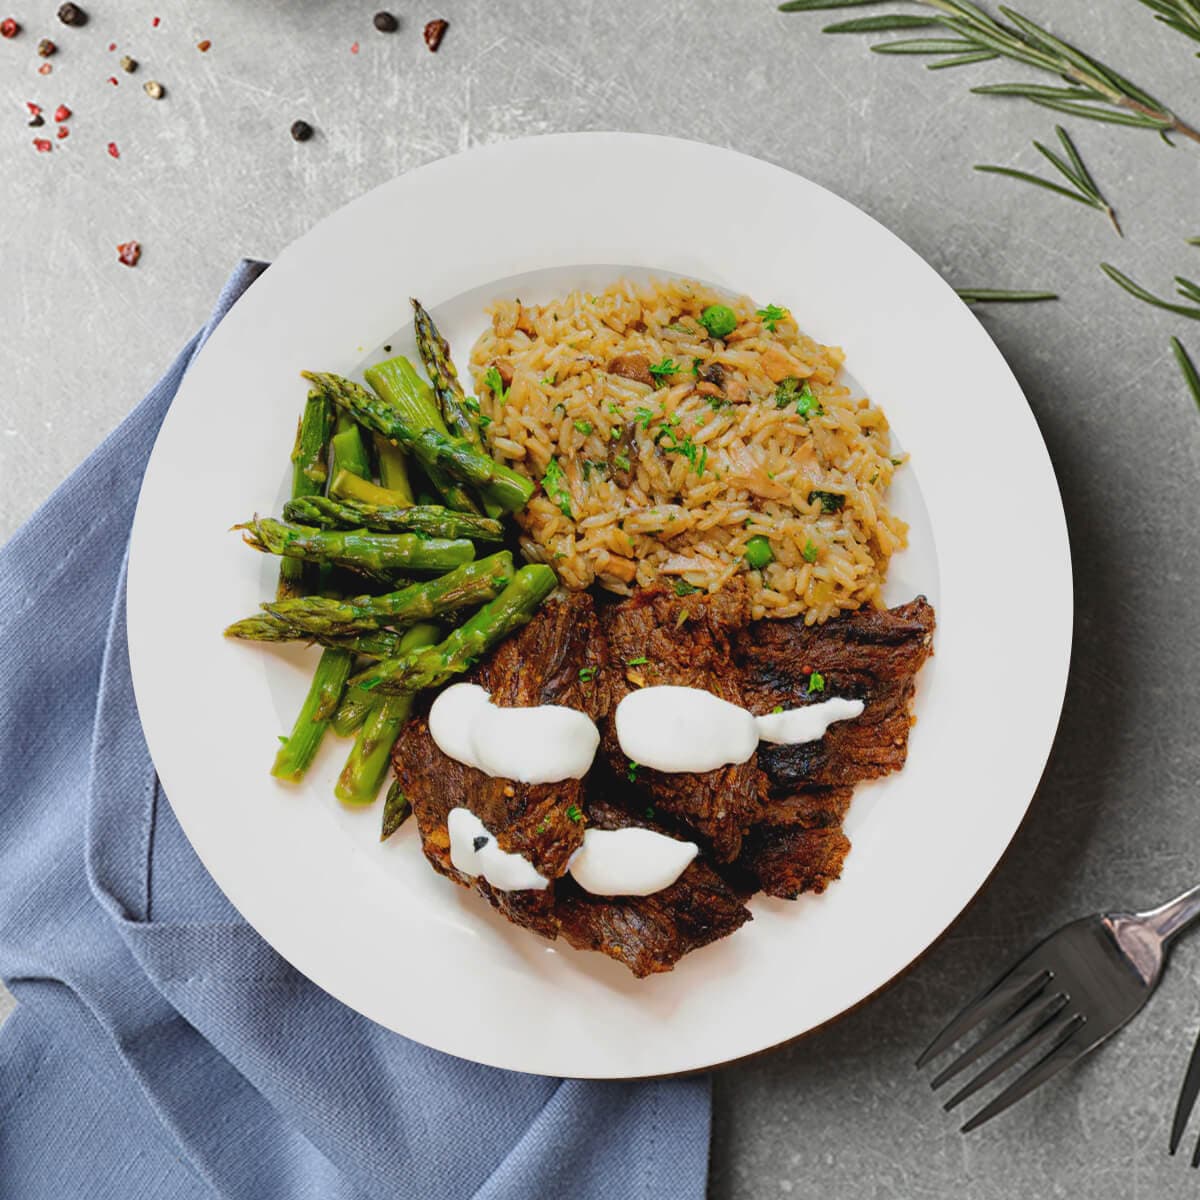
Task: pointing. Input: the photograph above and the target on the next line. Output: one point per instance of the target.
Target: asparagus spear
(346, 486)
(434, 665)
(357, 548)
(324, 694)
(352, 711)
(368, 761)
(467, 586)
(400, 387)
(435, 354)
(431, 520)
(434, 450)
(308, 472)
(393, 470)
(395, 809)
(263, 627)
(349, 450)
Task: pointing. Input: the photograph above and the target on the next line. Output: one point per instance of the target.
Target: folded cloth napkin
(159, 1047)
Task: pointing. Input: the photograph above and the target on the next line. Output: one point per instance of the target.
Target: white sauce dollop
(629, 862)
(506, 872)
(543, 744)
(807, 723)
(678, 729)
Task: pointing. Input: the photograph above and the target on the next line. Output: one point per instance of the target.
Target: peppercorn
(434, 32)
(62, 113)
(386, 23)
(43, 145)
(46, 48)
(204, 46)
(63, 132)
(72, 14)
(129, 65)
(36, 121)
(129, 253)
(301, 131)
(9, 28)
(153, 89)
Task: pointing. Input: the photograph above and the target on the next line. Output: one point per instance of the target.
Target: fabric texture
(159, 1047)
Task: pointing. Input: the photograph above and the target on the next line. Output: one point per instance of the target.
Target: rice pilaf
(668, 454)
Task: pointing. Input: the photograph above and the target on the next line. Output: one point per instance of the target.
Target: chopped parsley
(621, 462)
(471, 404)
(809, 551)
(896, 462)
(643, 416)
(663, 370)
(640, 661)
(543, 826)
(593, 464)
(547, 380)
(552, 481)
(561, 409)
(831, 502)
(771, 316)
(614, 433)
(574, 814)
(696, 366)
(816, 682)
(584, 427)
(719, 402)
(587, 674)
(613, 409)
(282, 739)
(649, 812)
(495, 384)
(631, 771)
(683, 588)
(777, 709)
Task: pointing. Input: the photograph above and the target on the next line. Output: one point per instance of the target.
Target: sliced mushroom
(632, 366)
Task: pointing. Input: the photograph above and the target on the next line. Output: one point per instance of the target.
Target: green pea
(758, 553)
(719, 319)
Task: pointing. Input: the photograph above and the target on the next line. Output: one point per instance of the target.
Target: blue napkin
(160, 1048)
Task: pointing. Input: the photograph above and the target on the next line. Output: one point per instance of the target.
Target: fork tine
(1007, 990)
(1187, 1097)
(1035, 1039)
(1069, 1047)
(1196, 1154)
(1040, 1012)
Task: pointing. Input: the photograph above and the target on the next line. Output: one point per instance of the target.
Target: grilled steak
(656, 638)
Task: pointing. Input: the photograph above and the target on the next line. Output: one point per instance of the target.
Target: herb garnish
(543, 826)
(809, 551)
(683, 588)
(663, 369)
(807, 404)
(649, 812)
(574, 814)
(643, 417)
(831, 502)
(552, 481)
(787, 391)
(816, 682)
(631, 771)
(621, 462)
(640, 661)
(547, 380)
(584, 427)
(587, 674)
(614, 433)
(771, 316)
(777, 709)
(495, 384)
(696, 366)
(593, 464)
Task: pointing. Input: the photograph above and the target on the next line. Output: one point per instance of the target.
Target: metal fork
(1066, 996)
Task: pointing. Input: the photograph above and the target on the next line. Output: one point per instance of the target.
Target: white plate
(374, 924)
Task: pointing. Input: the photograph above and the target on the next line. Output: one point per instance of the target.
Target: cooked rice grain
(670, 481)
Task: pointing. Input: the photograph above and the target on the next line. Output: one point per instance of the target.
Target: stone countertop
(209, 174)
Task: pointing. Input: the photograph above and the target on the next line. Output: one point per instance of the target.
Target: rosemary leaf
(1187, 289)
(1192, 241)
(1066, 170)
(1081, 170)
(822, 5)
(1000, 296)
(1188, 368)
(1044, 183)
(922, 46)
(962, 60)
(884, 23)
(1113, 116)
(1037, 91)
(1181, 15)
(1138, 292)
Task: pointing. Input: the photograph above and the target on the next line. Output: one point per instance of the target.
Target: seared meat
(685, 642)
(649, 933)
(869, 655)
(785, 861)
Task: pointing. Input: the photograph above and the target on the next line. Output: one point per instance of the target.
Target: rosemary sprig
(1188, 369)
(1095, 91)
(1181, 15)
(1185, 287)
(1083, 189)
(1000, 296)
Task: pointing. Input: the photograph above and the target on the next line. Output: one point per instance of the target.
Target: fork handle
(1175, 916)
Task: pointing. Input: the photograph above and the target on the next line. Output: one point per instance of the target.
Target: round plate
(373, 924)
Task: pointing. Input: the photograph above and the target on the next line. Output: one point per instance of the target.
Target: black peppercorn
(301, 131)
(72, 14)
(478, 843)
(386, 23)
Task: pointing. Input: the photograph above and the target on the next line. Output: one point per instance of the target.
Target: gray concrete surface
(210, 174)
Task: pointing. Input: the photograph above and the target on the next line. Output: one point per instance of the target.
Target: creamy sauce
(629, 862)
(680, 729)
(473, 851)
(544, 744)
(807, 723)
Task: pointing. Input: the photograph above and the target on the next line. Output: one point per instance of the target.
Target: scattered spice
(62, 113)
(434, 32)
(34, 109)
(63, 132)
(114, 81)
(129, 253)
(205, 46)
(153, 89)
(46, 48)
(72, 14)
(45, 69)
(301, 131)
(154, 22)
(385, 22)
(9, 28)
(128, 65)
(111, 47)
(36, 121)
(354, 48)
(43, 145)
(113, 151)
